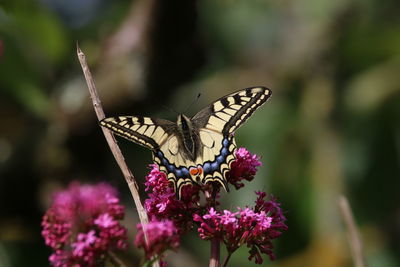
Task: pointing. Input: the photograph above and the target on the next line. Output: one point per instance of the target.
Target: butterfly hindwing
(216, 155)
(170, 160)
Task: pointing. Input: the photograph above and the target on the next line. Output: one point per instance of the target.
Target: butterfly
(193, 150)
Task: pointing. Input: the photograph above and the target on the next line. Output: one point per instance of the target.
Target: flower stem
(227, 259)
(215, 244)
(115, 260)
(214, 259)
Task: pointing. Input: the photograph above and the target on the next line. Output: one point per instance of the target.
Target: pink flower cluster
(169, 217)
(82, 225)
(163, 204)
(243, 168)
(254, 227)
(160, 237)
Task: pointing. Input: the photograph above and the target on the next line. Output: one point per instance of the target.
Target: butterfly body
(198, 149)
(189, 137)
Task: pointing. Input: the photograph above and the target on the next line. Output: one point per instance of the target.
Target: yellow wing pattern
(148, 132)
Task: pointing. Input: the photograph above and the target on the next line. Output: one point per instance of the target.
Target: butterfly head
(183, 121)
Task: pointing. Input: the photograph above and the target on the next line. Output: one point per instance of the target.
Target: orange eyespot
(196, 171)
(193, 171)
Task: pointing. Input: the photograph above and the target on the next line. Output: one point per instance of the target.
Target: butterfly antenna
(170, 109)
(192, 103)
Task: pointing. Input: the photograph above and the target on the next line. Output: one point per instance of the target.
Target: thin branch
(353, 235)
(117, 262)
(130, 179)
(227, 259)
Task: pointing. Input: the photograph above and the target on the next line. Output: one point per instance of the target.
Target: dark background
(332, 126)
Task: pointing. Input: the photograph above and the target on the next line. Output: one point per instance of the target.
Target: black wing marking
(228, 113)
(148, 132)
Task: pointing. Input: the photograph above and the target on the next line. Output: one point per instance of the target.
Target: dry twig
(130, 179)
(353, 235)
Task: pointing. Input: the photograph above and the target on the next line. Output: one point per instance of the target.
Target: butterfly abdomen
(189, 137)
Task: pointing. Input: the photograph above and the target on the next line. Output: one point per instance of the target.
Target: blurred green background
(332, 126)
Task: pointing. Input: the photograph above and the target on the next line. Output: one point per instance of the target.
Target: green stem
(115, 260)
(227, 259)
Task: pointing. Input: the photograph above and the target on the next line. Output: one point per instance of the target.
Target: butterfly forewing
(228, 113)
(148, 132)
(161, 136)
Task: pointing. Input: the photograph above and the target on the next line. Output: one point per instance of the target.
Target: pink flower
(254, 227)
(84, 242)
(163, 204)
(243, 168)
(228, 218)
(105, 221)
(161, 235)
(82, 225)
(212, 214)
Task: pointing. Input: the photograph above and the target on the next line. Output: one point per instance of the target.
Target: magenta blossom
(163, 204)
(82, 225)
(161, 235)
(254, 227)
(243, 168)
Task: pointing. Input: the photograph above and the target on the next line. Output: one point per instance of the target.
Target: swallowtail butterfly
(198, 149)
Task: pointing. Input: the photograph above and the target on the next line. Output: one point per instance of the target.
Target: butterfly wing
(216, 124)
(148, 132)
(228, 113)
(162, 137)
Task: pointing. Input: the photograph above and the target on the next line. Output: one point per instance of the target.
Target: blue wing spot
(207, 167)
(165, 162)
(214, 166)
(160, 154)
(220, 159)
(225, 142)
(224, 152)
(178, 173)
(170, 168)
(185, 172)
